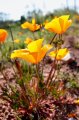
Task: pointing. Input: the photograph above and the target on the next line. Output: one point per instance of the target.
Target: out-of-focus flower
(3, 35)
(61, 54)
(59, 25)
(34, 52)
(31, 26)
(76, 101)
(16, 41)
(28, 40)
(20, 33)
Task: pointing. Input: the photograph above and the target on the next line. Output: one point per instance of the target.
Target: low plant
(33, 97)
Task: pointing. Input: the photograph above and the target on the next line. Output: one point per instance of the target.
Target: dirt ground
(70, 68)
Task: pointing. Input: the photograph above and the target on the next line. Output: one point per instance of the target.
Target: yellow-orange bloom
(61, 54)
(31, 26)
(16, 41)
(3, 35)
(34, 52)
(20, 33)
(59, 25)
(28, 40)
(76, 101)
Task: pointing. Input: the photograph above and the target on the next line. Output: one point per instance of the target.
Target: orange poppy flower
(61, 54)
(3, 35)
(31, 26)
(28, 40)
(34, 52)
(59, 25)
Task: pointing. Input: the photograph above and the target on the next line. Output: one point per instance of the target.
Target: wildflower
(34, 52)
(19, 33)
(16, 41)
(76, 101)
(59, 25)
(3, 35)
(31, 26)
(61, 54)
(28, 40)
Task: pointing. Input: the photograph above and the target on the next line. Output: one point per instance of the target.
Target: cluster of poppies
(35, 50)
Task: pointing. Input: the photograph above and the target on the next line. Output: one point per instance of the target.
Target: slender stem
(57, 72)
(54, 64)
(48, 78)
(11, 34)
(17, 63)
(53, 67)
(51, 77)
(60, 36)
(43, 64)
(37, 72)
(53, 38)
(1, 51)
(53, 73)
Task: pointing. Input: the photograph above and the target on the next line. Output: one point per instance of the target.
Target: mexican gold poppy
(3, 35)
(61, 54)
(28, 40)
(59, 25)
(34, 52)
(31, 26)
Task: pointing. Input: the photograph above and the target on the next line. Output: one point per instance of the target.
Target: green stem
(57, 72)
(60, 38)
(1, 50)
(53, 39)
(50, 73)
(53, 74)
(17, 63)
(12, 36)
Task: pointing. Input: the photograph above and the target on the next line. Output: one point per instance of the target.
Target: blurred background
(14, 10)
